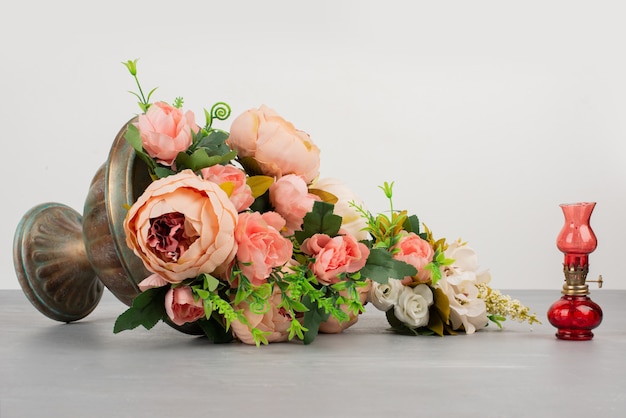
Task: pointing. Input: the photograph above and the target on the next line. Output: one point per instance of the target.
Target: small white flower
(384, 296)
(413, 304)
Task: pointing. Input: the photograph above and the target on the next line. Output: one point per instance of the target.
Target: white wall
(487, 115)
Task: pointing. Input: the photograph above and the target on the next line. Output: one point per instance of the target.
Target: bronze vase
(64, 260)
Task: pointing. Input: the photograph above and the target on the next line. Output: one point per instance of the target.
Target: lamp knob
(599, 281)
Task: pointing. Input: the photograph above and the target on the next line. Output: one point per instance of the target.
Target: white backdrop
(486, 115)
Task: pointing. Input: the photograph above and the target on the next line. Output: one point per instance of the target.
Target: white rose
(413, 304)
(353, 223)
(384, 296)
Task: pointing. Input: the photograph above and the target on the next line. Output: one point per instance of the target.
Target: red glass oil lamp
(575, 314)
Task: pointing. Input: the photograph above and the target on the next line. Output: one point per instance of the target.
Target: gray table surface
(51, 369)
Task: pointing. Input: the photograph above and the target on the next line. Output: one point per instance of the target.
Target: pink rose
(182, 226)
(277, 146)
(241, 194)
(333, 326)
(416, 252)
(181, 306)
(290, 197)
(334, 256)
(260, 245)
(165, 131)
(276, 321)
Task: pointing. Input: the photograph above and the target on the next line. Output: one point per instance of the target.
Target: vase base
(574, 334)
(51, 264)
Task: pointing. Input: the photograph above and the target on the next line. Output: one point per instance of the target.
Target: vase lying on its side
(63, 260)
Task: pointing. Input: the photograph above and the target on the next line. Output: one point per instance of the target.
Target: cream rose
(413, 304)
(459, 284)
(276, 145)
(384, 295)
(352, 221)
(182, 226)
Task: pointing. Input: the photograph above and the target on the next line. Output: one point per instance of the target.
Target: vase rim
(577, 204)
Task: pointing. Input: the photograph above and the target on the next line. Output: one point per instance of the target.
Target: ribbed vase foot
(51, 263)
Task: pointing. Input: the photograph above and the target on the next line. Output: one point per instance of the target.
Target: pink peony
(241, 194)
(260, 246)
(165, 131)
(277, 146)
(182, 226)
(334, 256)
(275, 321)
(416, 252)
(290, 197)
(181, 306)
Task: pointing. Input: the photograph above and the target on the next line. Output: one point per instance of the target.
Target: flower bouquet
(245, 241)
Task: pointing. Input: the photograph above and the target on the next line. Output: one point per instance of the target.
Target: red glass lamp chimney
(576, 239)
(575, 314)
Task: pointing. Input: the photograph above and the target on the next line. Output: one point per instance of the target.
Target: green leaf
(161, 172)
(215, 142)
(312, 319)
(134, 138)
(200, 159)
(497, 319)
(147, 309)
(380, 267)
(412, 224)
(203, 294)
(324, 195)
(259, 184)
(210, 283)
(148, 97)
(321, 220)
(397, 325)
(215, 331)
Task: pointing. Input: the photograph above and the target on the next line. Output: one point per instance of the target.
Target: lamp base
(574, 334)
(575, 316)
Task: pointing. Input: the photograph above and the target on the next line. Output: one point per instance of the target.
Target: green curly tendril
(219, 111)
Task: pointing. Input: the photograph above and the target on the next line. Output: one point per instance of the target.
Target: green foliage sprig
(144, 101)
